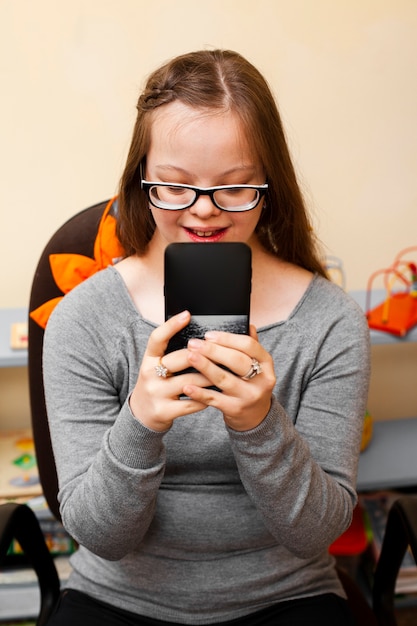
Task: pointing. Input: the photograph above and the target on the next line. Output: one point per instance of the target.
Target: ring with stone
(161, 370)
(255, 369)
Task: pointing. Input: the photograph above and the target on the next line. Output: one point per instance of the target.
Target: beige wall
(344, 72)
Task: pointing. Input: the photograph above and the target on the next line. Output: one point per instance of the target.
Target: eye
(234, 191)
(175, 191)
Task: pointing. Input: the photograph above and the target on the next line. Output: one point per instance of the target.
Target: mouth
(207, 235)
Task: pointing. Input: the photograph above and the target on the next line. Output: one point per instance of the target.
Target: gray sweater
(204, 524)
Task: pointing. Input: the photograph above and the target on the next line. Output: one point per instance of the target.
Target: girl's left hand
(244, 403)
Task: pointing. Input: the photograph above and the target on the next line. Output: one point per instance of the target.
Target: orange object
(367, 431)
(398, 313)
(69, 270)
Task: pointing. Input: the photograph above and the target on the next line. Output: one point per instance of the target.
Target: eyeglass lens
(236, 198)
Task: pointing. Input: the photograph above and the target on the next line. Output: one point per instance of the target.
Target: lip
(206, 235)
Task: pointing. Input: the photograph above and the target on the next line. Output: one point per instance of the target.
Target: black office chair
(91, 234)
(85, 244)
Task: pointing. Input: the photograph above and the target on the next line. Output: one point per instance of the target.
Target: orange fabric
(69, 270)
(42, 313)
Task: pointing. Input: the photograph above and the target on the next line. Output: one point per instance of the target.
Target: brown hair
(222, 79)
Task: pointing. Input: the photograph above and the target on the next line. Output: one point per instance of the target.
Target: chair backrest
(78, 236)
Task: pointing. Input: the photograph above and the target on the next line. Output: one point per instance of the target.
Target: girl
(219, 508)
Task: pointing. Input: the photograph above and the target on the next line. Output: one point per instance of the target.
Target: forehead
(176, 125)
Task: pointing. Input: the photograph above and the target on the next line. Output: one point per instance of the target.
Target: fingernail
(211, 335)
(195, 343)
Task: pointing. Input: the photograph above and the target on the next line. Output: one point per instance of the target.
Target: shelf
(9, 357)
(390, 461)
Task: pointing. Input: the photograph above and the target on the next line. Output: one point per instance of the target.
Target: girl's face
(204, 148)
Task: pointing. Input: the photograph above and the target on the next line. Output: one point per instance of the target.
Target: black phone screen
(213, 282)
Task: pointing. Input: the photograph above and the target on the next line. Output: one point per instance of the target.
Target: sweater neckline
(137, 312)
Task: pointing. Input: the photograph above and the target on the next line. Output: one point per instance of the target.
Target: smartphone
(213, 282)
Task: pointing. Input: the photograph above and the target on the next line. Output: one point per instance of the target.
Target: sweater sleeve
(300, 471)
(109, 465)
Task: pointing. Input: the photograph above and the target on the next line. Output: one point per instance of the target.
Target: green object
(26, 461)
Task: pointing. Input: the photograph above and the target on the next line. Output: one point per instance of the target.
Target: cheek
(163, 219)
(249, 221)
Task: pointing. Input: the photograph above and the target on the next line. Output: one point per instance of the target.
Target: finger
(173, 370)
(195, 378)
(174, 362)
(219, 376)
(244, 343)
(159, 338)
(156, 402)
(235, 360)
(244, 405)
(159, 412)
(228, 404)
(174, 365)
(238, 353)
(205, 356)
(208, 397)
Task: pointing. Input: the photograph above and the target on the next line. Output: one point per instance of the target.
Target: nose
(204, 208)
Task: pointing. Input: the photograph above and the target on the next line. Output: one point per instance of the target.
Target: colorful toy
(398, 313)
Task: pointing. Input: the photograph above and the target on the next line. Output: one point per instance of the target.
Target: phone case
(213, 282)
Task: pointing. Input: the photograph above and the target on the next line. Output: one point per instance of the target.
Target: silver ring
(255, 369)
(161, 370)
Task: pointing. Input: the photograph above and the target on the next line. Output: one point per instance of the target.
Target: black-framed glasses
(175, 197)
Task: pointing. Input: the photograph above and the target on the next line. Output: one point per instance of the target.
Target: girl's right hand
(155, 401)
